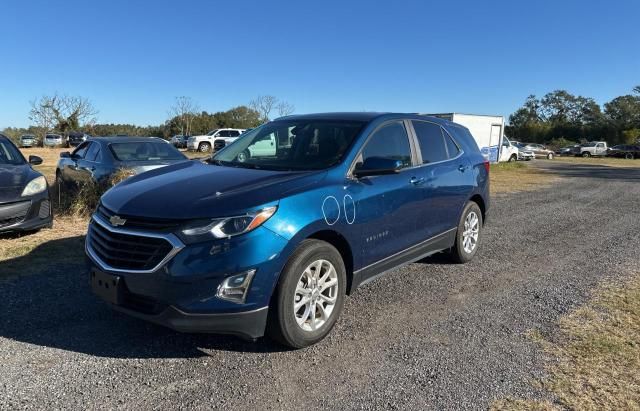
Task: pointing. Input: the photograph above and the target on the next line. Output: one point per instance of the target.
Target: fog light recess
(236, 287)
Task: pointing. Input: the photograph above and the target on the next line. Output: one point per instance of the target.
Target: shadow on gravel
(51, 305)
(595, 171)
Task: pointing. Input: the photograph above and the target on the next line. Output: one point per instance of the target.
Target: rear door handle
(462, 168)
(416, 181)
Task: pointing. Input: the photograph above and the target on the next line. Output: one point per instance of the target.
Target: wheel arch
(477, 198)
(341, 244)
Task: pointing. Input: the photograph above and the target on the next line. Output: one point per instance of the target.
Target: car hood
(192, 190)
(13, 179)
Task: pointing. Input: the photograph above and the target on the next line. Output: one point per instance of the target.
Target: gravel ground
(430, 335)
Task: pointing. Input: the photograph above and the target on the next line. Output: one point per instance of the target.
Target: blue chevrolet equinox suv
(271, 233)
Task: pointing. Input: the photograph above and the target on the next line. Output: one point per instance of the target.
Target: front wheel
(204, 147)
(550, 156)
(513, 158)
(586, 154)
(468, 234)
(309, 297)
(629, 156)
(243, 156)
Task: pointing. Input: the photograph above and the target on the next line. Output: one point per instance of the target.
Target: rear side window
(452, 148)
(81, 151)
(144, 151)
(234, 133)
(389, 141)
(432, 143)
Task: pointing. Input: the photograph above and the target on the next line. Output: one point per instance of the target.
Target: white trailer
(488, 131)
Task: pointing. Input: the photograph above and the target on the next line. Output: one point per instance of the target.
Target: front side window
(389, 141)
(291, 145)
(144, 151)
(81, 150)
(93, 152)
(432, 144)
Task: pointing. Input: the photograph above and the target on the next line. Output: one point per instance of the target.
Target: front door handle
(416, 181)
(462, 168)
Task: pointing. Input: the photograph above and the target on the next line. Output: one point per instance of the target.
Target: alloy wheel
(316, 295)
(471, 232)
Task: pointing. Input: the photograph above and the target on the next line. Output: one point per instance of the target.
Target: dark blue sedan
(99, 158)
(281, 225)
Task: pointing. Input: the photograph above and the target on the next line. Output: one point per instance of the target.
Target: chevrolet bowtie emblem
(117, 221)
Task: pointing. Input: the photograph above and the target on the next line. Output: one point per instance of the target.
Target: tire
(459, 253)
(550, 156)
(204, 147)
(629, 156)
(243, 156)
(513, 158)
(586, 154)
(296, 329)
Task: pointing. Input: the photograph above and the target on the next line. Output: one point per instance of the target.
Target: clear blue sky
(131, 58)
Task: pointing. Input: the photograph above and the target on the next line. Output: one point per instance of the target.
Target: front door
(388, 206)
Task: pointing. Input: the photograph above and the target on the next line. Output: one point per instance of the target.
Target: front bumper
(180, 292)
(27, 215)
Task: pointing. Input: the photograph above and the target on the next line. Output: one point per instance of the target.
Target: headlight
(35, 186)
(230, 226)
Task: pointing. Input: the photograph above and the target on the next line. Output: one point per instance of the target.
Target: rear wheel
(468, 234)
(586, 154)
(309, 297)
(243, 156)
(629, 156)
(204, 147)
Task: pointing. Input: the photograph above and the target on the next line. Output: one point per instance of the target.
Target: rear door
(446, 176)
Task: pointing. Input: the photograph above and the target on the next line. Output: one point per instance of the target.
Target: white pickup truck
(592, 148)
(217, 138)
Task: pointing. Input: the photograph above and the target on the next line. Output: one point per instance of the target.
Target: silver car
(28, 140)
(53, 140)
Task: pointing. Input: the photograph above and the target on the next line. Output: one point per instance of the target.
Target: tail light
(487, 165)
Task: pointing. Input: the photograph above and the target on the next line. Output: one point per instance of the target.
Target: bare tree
(263, 105)
(184, 110)
(62, 113)
(284, 108)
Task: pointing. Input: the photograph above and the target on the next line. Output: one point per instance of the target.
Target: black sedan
(24, 195)
(624, 151)
(98, 158)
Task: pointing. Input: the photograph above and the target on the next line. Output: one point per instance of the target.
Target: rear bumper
(247, 324)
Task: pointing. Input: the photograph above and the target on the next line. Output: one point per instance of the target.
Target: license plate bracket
(107, 286)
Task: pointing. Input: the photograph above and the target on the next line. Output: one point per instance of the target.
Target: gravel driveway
(430, 335)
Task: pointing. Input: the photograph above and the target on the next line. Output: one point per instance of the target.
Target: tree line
(63, 114)
(560, 118)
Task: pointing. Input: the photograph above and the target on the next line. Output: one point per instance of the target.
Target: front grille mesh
(13, 213)
(125, 251)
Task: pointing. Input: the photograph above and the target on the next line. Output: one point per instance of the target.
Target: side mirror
(374, 166)
(35, 160)
(65, 154)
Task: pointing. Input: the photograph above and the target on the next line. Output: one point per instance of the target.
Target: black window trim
(412, 147)
(442, 129)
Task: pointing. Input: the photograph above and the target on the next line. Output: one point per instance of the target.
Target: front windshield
(9, 155)
(145, 151)
(291, 145)
(588, 145)
(210, 133)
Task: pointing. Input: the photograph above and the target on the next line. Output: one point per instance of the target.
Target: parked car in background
(74, 139)
(508, 151)
(24, 194)
(179, 141)
(624, 151)
(566, 151)
(28, 140)
(205, 142)
(273, 244)
(590, 149)
(525, 154)
(97, 159)
(53, 140)
(539, 150)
